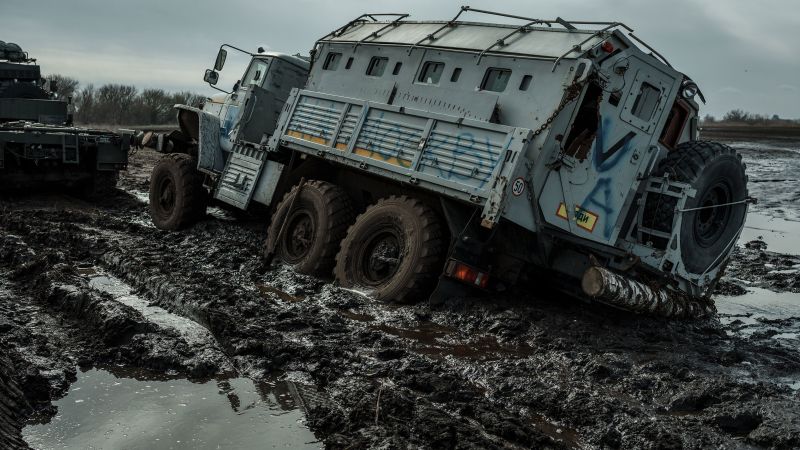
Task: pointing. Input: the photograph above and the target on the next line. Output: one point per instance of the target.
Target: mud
(96, 285)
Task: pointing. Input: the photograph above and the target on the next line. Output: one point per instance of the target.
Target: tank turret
(22, 90)
(12, 52)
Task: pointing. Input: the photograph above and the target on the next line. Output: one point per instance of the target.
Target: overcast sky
(743, 53)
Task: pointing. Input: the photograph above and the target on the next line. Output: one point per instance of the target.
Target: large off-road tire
(177, 196)
(394, 251)
(317, 222)
(717, 172)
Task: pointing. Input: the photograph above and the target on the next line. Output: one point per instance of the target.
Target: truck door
(609, 146)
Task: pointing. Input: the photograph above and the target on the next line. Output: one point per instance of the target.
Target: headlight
(688, 90)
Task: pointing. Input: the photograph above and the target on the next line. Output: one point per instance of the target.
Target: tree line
(742, 116)
(119, 104)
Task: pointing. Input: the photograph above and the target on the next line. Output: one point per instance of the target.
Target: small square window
(646, 102)
(525, 83)
(431, 72)
(397, 67)
(496, 80)
(377, 65)
(349, 63)
(455, 75)
(332, 61)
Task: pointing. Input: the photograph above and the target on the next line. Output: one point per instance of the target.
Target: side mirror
(211, 77)
(53, 86)
(220, 61)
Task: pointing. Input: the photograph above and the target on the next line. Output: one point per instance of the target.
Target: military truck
(38, 144)
(410, 158)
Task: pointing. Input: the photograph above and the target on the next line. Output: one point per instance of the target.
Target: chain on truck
(409, 159)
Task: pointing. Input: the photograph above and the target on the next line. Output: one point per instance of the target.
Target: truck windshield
(256, 72)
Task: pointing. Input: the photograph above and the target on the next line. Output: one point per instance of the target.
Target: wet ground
(119, 409)
(109, 327)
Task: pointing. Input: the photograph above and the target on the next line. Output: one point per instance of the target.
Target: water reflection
(117, 408)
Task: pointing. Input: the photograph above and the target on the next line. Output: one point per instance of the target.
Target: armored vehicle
(39, 145)
(408, 158)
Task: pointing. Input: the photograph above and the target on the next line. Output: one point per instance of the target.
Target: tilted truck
(407, 158)
(39, 146)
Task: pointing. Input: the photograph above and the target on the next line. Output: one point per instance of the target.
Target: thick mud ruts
(529, 368)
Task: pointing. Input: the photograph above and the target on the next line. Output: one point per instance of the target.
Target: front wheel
(393, 251)
(177, 196)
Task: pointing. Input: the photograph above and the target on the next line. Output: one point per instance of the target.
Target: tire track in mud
(245, 341)
(486, 374)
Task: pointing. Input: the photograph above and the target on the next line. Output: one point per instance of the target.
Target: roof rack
(568, 25)
(391, 24)
(361, 19)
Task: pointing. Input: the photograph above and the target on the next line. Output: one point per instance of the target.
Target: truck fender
(204, 128)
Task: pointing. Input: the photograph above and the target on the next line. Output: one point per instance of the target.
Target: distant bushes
(741, 116)
(118, 104)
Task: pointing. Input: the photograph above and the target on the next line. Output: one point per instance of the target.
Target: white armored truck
(406, 158)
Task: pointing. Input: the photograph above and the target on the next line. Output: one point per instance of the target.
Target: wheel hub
(382, 257)
(710, 222)
(166, 198)
(299, 235)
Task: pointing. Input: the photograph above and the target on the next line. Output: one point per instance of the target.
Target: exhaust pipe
(617, 290)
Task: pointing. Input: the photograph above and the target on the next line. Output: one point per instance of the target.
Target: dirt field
(96, 286)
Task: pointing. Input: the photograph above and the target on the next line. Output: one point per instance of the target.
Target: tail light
(467, 274)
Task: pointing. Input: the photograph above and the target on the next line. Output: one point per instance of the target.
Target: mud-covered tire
(177, 196)
(317, 223)
(394, 251)
(717, 173)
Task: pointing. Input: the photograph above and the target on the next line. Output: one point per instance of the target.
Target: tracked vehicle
(412, 158)
(39, 147)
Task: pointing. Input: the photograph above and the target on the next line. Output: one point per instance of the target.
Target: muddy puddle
(135, 411)
(764, 314)
(781, 235)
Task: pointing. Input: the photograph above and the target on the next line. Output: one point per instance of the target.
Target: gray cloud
(737, 50)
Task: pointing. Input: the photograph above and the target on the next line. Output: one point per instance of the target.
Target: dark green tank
(39, 146)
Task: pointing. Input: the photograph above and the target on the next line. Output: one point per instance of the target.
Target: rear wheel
(308, 225)
(394, 250)
(177, 196)
(717, 173)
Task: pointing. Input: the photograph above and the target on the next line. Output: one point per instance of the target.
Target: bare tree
(65, 86)
(118, 104)
(85, 105)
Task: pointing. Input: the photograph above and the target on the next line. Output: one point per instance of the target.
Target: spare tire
(717, 173)
(177, 196)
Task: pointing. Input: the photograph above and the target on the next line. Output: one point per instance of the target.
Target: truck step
(240, 175)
